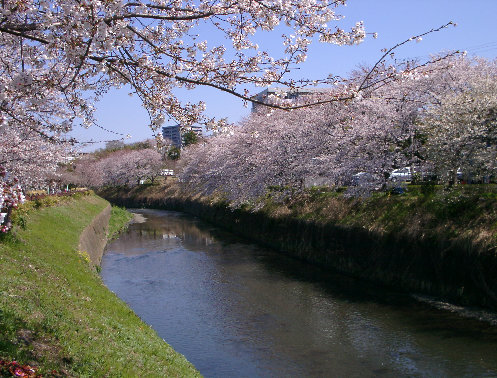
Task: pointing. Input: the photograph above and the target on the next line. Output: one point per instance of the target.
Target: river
(238, 310)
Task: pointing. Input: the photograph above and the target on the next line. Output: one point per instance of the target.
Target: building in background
(196, 129)
(174, 133)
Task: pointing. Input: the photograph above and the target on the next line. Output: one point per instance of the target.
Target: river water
(237, 310)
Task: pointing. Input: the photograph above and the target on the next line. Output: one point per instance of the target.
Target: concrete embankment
(459, 269)
(93, 239)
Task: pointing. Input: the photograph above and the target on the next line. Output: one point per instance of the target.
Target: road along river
(237, 310)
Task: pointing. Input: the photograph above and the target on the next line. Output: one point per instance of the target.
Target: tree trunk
(7, 222)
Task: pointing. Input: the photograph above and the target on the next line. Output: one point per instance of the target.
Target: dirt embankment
(94, 237)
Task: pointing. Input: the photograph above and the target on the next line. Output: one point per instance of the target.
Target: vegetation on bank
(55, 313)
(119, 219)
(460, 211)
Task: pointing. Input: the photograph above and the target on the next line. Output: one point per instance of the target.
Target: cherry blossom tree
(85, 171)
(324, 144)
(57, 57)
(124, 167)
(412, 121)
(11, 196)
(460, 123)
(53, 52)
(29, 156)
(145, 164)
(292, 150)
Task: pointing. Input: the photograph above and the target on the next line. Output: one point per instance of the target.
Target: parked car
(167, 172)
(401, 174)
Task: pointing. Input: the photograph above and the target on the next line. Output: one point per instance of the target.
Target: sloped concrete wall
(94, 237)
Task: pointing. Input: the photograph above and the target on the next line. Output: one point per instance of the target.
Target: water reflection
(161, 230)
(234, 309)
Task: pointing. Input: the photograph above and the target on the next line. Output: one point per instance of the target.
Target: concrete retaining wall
(94, 237)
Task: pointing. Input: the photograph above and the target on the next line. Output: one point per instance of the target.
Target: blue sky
(393, 20)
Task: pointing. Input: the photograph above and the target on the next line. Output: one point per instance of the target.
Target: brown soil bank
(430, 240)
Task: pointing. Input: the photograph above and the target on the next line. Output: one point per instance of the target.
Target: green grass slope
(56, 314)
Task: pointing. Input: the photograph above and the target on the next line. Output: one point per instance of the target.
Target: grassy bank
(55, 312)
(119, 219)
(432, 240)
